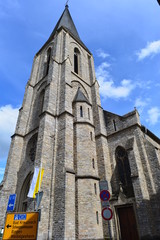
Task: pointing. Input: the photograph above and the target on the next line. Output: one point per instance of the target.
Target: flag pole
(39, 187)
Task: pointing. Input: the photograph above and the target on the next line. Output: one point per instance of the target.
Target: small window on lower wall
(88, 114)
(81, 111)
(95, 188)
(91, 136)
(93, 164)
(114, 124)
(97, 217)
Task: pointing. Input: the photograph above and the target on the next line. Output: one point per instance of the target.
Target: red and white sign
(107, 213)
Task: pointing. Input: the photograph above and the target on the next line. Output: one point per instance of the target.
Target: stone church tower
(62, 126)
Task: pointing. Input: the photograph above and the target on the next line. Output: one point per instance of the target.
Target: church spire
(66, 21)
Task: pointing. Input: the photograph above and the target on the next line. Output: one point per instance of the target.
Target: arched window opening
(48, 60)
(76, 60)
(81, 111)
(31, 148)
(124, 172)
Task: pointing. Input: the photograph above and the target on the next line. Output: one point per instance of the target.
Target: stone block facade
(63, 127)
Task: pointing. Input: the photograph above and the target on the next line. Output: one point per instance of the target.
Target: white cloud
(8, 118)
(151, 49)
(153, 115)
(141, 104)
(102, 54)
(107, 86)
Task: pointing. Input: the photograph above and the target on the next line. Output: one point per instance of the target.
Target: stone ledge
(87, 177)
(84, 122)
(17, 135)
(69, 170)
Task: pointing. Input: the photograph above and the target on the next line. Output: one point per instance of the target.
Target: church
(83, 149)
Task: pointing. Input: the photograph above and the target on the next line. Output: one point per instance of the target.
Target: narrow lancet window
(81, 111)
(114, 124)
(97, 217)
(91, 136)
(88, 114)
(95, 188)
(76, 60)
(48, 60)
(93, 164)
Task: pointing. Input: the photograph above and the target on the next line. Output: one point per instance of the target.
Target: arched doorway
(26, 203)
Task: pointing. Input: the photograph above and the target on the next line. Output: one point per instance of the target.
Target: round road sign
(105, 195)
(107, 213)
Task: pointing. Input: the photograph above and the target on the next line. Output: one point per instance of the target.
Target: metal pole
(39, 187)
(109, 230)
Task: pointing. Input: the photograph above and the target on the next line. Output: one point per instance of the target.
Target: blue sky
(124, 37)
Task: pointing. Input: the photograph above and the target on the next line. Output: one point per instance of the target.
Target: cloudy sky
(124, 37)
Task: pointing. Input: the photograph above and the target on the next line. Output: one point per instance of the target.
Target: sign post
(21, 226)
(11, 203)
(106, 211)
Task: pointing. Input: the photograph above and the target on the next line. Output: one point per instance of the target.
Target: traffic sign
(107, 213)
(21, 226)
(11, 202)
(105, 195)
(103, 184)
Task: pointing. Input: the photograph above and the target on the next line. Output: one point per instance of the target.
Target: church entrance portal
(127, 223)
(24, 201)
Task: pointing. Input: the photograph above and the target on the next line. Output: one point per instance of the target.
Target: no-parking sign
(105, 195)
(106, 211)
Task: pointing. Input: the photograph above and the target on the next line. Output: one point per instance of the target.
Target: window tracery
(124, 172)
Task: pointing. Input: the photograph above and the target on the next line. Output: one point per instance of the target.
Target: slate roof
(80, 97)
(67, 23)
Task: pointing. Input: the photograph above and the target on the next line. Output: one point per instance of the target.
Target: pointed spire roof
(80, 97)
(66, 21)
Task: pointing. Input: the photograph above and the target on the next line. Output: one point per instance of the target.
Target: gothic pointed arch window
(76, 60)
(124, 171)
(31, 148)
(48, 60)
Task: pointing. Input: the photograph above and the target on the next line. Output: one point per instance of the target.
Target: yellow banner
(39, 181)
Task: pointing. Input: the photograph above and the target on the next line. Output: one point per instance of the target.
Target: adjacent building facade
(62, 126)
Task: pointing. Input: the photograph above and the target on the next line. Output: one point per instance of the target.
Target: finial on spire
(67, 4)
